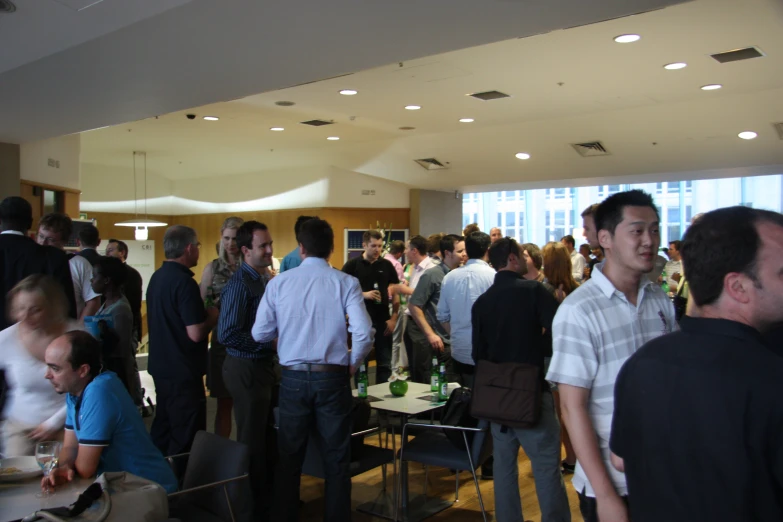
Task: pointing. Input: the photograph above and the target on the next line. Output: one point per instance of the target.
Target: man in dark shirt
(375, 274)
(508, 322)
(250, 370)
(178, 330)
(427, 334)
(698, 420)
(133, 284)
(88, 239)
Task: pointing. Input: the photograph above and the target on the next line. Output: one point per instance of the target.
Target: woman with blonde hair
(34, 411)
(213, 279)
(557, 272)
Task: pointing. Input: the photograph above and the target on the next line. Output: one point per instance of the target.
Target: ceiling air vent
(779, 127)
(6, 6)
(590, 149)
(738, 54)
(489, 95)
(432, 164)
(317, 123)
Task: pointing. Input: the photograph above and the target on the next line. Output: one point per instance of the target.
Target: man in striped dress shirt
(251, 370)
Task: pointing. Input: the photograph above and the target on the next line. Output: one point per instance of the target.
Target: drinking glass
(47, 454)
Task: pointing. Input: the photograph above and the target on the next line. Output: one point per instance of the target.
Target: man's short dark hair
(397, 247)
(58, 223)
(476, 244)
(85, 349)
(590, 211)
(89, 236)
(676, 244)
(535, 254)
(448, 243)
(610, 211)
(433, 243)
(317, 238)
(569, 239)
(500, 250)
(16, 214)
(371, 234)
(122, 246)
(245, 233)
(722, 242)
(298, 224)
(419, 243)
(112, 268)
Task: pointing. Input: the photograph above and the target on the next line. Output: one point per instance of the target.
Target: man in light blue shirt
(305, 311)
(292, 259)
(460, 289)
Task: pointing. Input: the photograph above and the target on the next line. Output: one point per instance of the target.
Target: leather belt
(310, 367)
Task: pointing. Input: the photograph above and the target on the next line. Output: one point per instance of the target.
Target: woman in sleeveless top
(215, 276)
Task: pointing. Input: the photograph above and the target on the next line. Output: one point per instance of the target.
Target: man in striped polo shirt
(596, 329)
(250, 370)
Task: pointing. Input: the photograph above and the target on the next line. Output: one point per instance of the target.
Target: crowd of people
(659, 403)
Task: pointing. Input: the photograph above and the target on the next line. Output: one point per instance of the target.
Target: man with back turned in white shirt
(305, 311)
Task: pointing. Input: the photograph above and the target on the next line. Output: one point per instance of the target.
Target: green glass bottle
(443, 384)
(362, 382)
(209, 300)
(665, 284)
(434, 376)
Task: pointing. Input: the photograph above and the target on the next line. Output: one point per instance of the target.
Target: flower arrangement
(385, 231)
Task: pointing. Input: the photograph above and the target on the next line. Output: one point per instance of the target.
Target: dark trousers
(315, 404)
(420, 354)
(383, 353)
(180, 412)
(252, 383)
(466, 373)
(589, 508)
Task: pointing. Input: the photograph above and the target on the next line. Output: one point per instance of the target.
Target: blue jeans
(542, 446)
(317, 404)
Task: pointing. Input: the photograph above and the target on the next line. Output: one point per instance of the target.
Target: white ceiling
(651, 120)
(92, 69)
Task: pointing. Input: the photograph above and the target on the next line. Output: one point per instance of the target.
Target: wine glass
(47, 454)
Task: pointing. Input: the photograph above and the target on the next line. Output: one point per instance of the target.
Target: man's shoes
(567, 468)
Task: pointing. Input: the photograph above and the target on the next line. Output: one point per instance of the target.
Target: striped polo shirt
(595, 331)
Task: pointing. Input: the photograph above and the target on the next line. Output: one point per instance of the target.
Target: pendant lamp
(140, 224)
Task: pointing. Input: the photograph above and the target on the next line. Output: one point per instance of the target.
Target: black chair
(212, 481)
(431, 447)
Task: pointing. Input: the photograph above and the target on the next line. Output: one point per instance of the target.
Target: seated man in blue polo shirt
(103, 428)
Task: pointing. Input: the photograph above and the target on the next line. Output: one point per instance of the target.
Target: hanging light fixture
(140, 224)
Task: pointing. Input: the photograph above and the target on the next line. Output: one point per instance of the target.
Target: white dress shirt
(305, 309)
(578, 265)
(460, 289)
(81, 273)
(416, 275)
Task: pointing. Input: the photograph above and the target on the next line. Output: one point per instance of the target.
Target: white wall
(109, 189)
(35, 158)
(437, 212)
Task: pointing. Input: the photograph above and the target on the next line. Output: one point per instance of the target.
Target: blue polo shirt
(104, 415)
(174, 303)
(291, 260)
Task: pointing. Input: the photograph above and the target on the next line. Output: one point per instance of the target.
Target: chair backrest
(212, 459)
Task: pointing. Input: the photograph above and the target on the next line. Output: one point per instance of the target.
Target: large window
(542, 215)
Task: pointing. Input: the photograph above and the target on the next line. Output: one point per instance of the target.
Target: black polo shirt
(699, 421)
(173, 303)
(381, 272)
(508, 321)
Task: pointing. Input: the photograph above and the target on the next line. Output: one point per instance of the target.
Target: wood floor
(367, 487)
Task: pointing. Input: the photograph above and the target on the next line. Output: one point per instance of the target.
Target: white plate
(28, 468)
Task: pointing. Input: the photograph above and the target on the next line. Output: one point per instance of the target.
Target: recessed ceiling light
(277, 129)
(522, 155)
(675, 66)
(413, 107)
(285, 103)
(348, 92)
(211, 118)
(333, 138)
(711, 87)
(627, 38)
(407, 128)
(747, 135)
(466, 120)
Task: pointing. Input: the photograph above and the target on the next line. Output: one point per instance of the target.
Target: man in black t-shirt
(375, 274)
(178, 330)
(698, 420)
